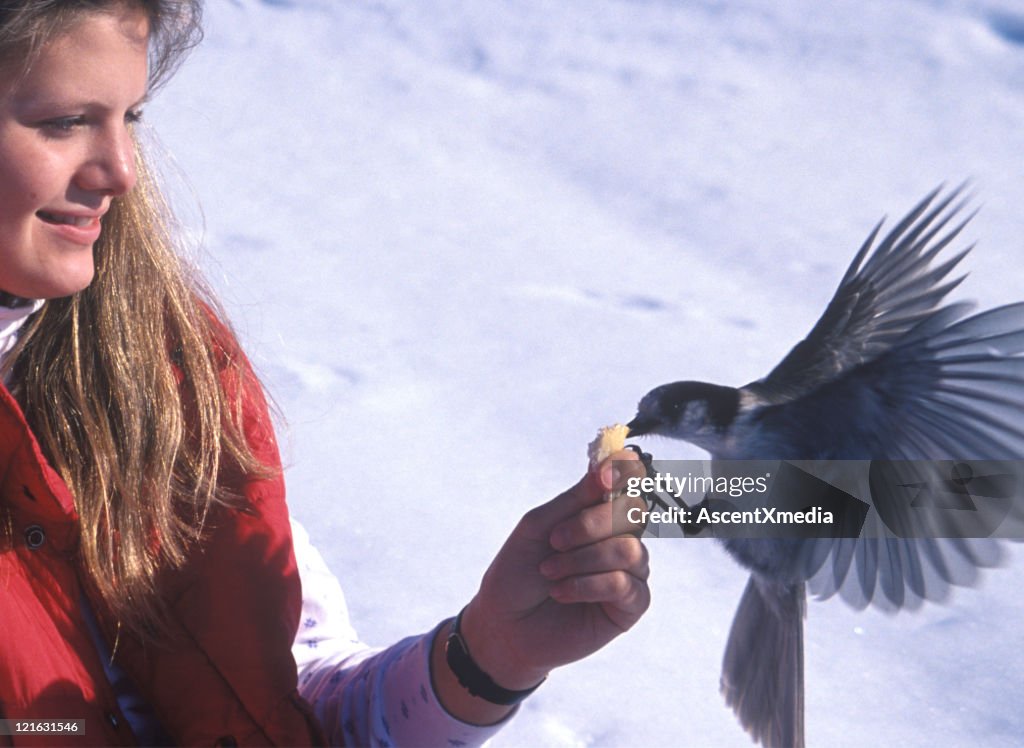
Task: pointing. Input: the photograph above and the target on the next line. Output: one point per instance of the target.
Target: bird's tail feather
(763, 667)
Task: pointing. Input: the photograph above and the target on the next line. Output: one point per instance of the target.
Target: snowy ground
(457, 237)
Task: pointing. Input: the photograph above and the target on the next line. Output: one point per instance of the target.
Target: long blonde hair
(133, 385)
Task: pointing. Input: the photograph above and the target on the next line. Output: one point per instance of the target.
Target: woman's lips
(80, 229)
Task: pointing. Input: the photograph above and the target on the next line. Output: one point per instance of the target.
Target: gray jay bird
(890, 372)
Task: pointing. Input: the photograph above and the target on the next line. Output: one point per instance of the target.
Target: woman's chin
(52, 288)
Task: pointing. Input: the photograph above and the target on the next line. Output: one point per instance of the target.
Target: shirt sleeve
(362, 695)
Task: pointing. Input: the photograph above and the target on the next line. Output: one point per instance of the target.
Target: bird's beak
(641, 425)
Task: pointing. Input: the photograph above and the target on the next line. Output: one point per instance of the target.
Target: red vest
(229, 677)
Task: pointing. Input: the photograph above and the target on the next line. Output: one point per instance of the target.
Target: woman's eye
(62, 125)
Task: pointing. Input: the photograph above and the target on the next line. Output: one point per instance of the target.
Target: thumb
(608, 475)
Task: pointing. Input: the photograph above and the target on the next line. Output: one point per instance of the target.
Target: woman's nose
(110, 164)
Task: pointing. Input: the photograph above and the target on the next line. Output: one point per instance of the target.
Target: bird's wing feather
(883, 294)
(889, 373)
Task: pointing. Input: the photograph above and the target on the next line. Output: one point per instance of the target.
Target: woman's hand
(571, 577)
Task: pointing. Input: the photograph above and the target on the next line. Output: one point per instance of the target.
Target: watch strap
(471, 677)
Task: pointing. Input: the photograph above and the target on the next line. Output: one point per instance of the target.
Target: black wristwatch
(471, 677)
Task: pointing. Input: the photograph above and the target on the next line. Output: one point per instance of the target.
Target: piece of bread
(608, 441)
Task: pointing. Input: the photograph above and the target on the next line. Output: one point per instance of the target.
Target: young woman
(148, 577)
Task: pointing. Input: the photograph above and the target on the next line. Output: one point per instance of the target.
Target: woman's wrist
(455, 699)
(494, 654)
(472, 677)
(487, 655)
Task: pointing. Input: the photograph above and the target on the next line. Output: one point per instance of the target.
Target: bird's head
(697, 412)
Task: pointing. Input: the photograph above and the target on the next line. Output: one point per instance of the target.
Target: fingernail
(609, 476)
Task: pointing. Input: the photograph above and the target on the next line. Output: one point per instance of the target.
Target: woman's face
(66, 150)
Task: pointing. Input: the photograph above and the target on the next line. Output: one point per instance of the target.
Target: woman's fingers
(611, 474)
(611, 572)
(598, 522)
(623, 596)
(621, 553)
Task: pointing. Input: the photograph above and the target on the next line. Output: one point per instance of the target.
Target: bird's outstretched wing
(892, 373)
(882, 295)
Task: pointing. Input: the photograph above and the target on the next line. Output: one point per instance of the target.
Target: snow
(458, 237)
